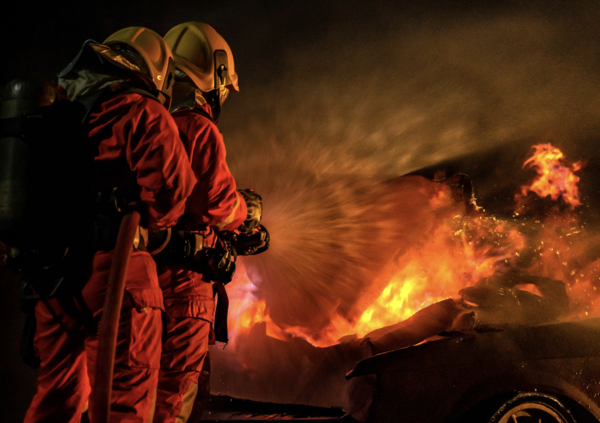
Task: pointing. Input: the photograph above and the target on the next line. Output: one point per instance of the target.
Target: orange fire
(245, 310)
(458, 252)
(554, 179)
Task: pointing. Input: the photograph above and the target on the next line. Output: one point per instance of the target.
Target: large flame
(458, 252)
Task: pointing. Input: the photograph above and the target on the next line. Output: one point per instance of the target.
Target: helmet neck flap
(97, 65)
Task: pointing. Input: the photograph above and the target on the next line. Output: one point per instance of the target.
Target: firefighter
(138, 157)
(205, 74)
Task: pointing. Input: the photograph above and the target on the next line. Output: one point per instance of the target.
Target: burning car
(481, 372)
(480, 316)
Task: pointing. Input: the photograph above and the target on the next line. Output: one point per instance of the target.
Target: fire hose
(107, 337)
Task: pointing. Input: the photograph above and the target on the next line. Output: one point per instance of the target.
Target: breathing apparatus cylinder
(20, 96)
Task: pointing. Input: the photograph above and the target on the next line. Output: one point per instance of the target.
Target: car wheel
(532, 407)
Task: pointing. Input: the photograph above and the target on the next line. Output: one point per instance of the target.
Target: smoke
(372, 100)
(408, 97)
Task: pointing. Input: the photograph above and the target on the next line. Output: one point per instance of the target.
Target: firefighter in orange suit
(204, 76)
(139, 153)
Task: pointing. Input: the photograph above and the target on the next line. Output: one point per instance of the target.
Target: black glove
(255, 208)
(252, 244)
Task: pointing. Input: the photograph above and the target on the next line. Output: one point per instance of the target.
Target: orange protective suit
(138, 143)
(189, 301)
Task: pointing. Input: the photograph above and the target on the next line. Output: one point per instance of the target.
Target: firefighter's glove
(252, 244)
(255, 208)
(216, 264)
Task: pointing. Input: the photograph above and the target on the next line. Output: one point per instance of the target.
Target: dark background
(395, 86)
(339, 95)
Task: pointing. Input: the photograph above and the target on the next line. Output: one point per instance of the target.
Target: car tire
(532, 407)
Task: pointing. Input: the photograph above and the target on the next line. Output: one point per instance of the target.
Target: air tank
(18, 97)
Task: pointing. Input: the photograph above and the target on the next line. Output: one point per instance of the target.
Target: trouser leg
(184, 350)
(137, 357)
(137, 362)
(63, 386)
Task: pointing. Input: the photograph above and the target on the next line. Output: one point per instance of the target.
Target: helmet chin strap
(169, 81)
(214, 101)
(164, 99)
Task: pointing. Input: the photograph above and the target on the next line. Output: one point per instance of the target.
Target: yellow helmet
(156, 55)
(203, 55)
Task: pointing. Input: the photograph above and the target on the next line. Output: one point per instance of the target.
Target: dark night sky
(344, 89)
(475, 69)
(44, 36)
(47, 36)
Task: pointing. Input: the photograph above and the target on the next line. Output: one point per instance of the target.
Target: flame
(447, 262)
(554, 179)
(458, 252)
(245, 310)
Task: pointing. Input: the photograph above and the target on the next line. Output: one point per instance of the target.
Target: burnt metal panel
(570, 339)
(442, 380)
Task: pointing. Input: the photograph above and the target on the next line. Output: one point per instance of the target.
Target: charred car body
(546, 373)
